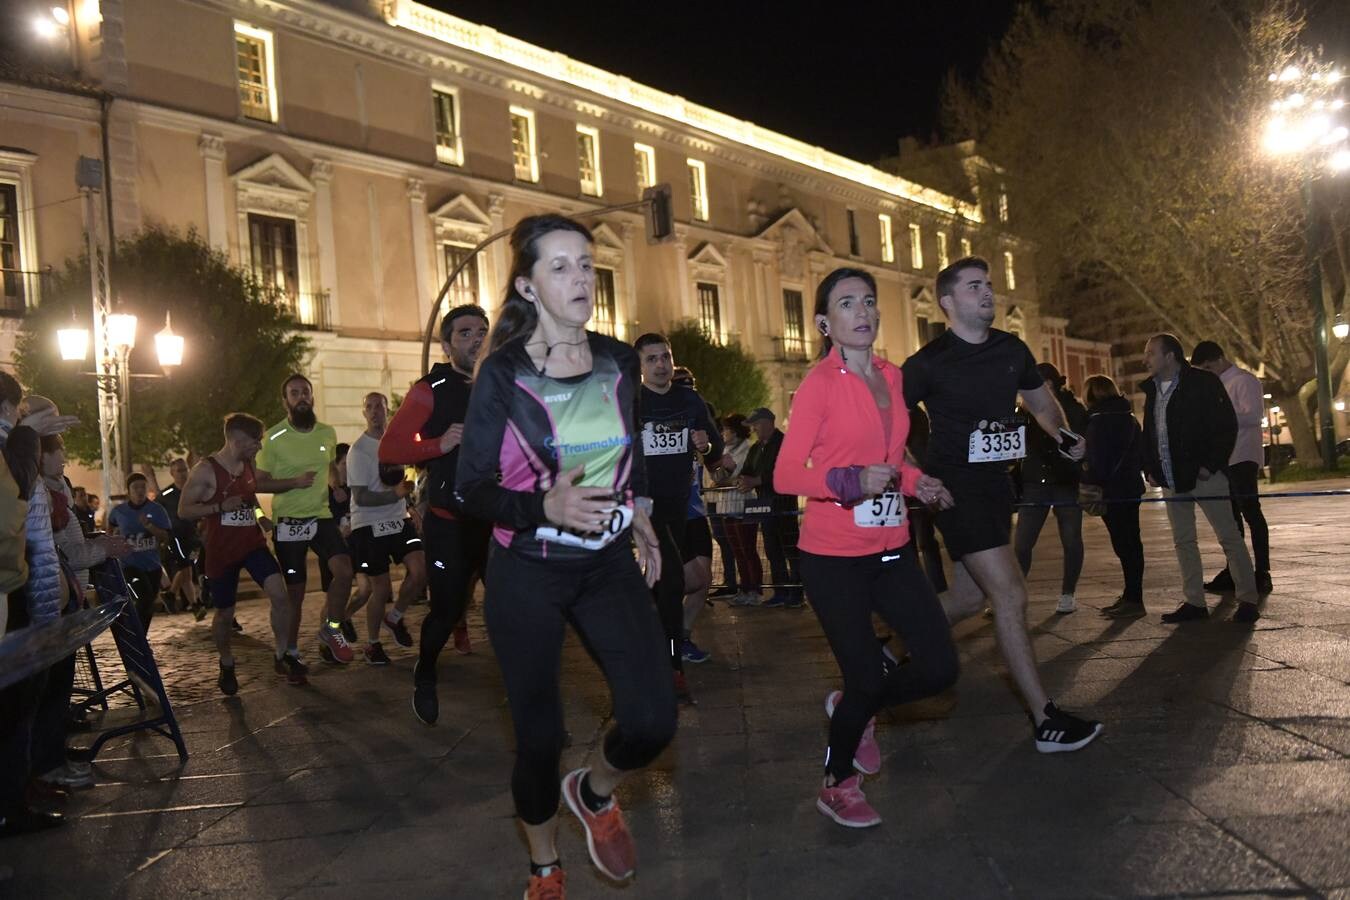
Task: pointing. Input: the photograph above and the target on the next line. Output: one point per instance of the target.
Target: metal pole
(450, 279)
(1320, 360)
(124, 382)
(105, 363)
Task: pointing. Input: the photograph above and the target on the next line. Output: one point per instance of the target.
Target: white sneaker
(1066, 604)
(745, 598)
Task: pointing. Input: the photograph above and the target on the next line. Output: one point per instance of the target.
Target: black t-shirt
(967, 388)
(667, 423)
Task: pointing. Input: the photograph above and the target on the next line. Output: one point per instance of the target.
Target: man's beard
(302, 417)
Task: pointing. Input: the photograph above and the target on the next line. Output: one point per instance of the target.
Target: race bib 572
(884, 511)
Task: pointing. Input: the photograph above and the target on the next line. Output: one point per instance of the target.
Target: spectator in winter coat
(1114, 458)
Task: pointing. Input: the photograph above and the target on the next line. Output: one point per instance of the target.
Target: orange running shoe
(607, 836)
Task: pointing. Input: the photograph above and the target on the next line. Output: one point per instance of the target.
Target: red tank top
(231, 536)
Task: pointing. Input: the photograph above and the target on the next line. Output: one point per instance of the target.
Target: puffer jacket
(44, 565)
(79, 551)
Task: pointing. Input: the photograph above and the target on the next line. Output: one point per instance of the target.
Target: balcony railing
(311, 311)
(790, 349)
(20, 291)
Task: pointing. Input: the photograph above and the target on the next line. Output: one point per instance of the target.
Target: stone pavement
(1223, 770)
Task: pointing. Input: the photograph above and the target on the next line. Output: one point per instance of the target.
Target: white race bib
(664, 443)
(239, 518)
(885, 511)
(143, 542)
(389, 526)
(621, 518)
(297, 530)
(997, 446)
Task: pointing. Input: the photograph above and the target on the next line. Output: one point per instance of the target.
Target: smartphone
(1067, 441)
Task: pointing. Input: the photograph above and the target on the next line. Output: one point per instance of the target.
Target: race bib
(664, 443)
(621, 518)
(997, 446)
(387, 527)
(239, 518)
(885, 511)
(297, 529)
(143, 542)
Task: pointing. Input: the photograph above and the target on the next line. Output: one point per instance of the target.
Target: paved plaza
(1224, 769)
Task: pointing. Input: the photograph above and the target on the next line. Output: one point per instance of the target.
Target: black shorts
(182, 551)
(326, 540)
(371, 555)
(981, 518)
(221, 591)
(697, 539)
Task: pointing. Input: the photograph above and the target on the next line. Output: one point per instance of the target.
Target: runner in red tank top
(221, 490)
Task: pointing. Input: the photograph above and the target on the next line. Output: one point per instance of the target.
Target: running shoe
(1246, 613)
(745, 598)
(199, 612)
(296, 672)
(234, 623)
(549, 886)
(692, 652)
(426, 706)
(463, 646)
(682, 692)
(1186, 612)
(227, 682)
(1062, 732)
(331, 638)
(867, 758)
(847, 805)
(70, 775)
(607, 836)
(349, 630)
(725, 591)
(1067, 604)
(777, 601)
(399, 630)
(375, 655)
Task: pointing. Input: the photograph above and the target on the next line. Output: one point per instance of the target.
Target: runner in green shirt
(294, 450)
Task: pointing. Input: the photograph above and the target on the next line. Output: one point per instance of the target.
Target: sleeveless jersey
(231, 536)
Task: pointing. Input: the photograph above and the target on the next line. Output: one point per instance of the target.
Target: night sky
(854, 92)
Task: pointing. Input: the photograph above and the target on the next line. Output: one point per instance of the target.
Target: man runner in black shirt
(968, 380)
(675, 426)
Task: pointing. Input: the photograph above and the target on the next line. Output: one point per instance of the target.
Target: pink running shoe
(846, 804)
(607, 835)
(867, 758)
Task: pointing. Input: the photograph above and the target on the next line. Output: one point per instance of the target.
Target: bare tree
(1130, 135)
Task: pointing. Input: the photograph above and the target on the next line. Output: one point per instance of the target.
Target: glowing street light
(169, 346)
(1340, 328)
(74, 343)
(122, 331)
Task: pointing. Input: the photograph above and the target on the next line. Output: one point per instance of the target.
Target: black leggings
(669, 518)
(144, 586)
(606, 600)
(845, 591)
(456, 550)
(1122, 523)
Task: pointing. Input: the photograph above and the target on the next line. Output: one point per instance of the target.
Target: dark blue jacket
(1115, 449)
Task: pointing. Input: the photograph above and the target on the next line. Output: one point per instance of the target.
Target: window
(522, 145)
(942, 250)
(588, 161)
(11, 255)
(698, 189)
(273, 253)
(604, 318)
(794, 332)
(853, 248)
(1002, 204)
(644, 163)
(965, 247)
(709, 311)
(465, 288)
(1008, 273)
(928, 331)
(915, 246)
(887, 238)
(257, 78)
(445, 109)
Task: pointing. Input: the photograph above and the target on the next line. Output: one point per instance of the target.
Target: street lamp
(1340, 328)
(1307, 124)
(169, 346)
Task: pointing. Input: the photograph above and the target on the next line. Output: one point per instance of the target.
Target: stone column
(421, 250)
(322, 176)
(212, 149)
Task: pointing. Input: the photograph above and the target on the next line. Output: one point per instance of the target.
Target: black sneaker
(725, 590)
(228, 684)
(1062, 732)
(425, 705)
(1222, 584)
(1263, 585)
(1246, 613)
(349, 631)
(297, 673)
(1186, 612)
(400, 631)
(234, 623)
(376, 656)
